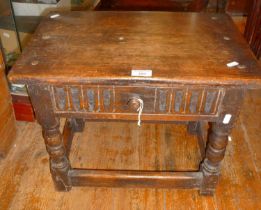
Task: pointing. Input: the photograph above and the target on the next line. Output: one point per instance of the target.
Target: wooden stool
(139, 67)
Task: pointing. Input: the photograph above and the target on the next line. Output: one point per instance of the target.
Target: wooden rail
(122, 178)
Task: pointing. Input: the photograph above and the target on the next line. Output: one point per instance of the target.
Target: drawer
(179, 100)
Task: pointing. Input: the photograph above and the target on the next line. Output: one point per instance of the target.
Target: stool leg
(215, 152)
(59, 163)
(218, 139)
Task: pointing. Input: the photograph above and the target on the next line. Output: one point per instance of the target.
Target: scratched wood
(181, 48)
(26, 182)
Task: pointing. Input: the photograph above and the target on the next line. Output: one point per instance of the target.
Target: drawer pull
(134, 104)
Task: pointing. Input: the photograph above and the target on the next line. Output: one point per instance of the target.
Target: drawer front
(176, 100)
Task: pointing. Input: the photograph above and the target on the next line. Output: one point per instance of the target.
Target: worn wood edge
(21, 78)
(126, 178)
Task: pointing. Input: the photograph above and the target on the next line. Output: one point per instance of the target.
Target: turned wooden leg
(215, 152)
(218, 139)
(193, 127)
(59, 163)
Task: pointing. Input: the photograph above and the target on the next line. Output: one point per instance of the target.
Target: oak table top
(104, 46)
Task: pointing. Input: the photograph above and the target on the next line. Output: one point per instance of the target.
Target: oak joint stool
(139, 67)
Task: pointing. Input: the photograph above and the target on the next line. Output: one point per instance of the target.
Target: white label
(232, 64)
(54, 16)
(141, 73)
(227, 118)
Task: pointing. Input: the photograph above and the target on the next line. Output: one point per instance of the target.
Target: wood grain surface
(106, 46)
(26, 182)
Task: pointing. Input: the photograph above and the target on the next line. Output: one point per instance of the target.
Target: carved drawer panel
(196, 101)
(188, 100)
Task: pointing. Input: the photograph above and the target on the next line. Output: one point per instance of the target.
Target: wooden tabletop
(106, 46)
